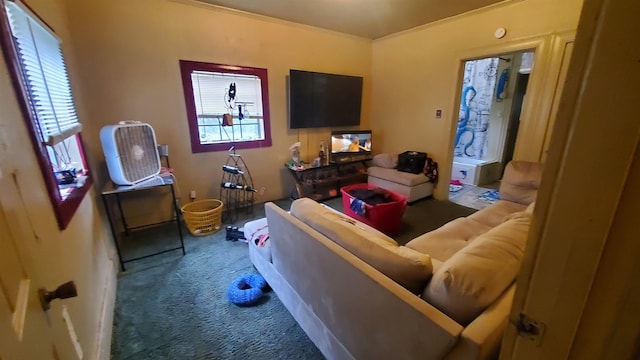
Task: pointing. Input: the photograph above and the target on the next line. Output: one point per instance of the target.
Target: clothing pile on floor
(455, 185)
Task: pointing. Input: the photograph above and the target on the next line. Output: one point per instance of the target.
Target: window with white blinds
(36, 64)
(211, 94)
(227, 105)
(45, 74)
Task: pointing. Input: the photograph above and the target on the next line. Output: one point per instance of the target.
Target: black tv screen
(323, 100)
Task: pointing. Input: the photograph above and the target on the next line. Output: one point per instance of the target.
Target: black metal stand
(236, 199)
(111, 189)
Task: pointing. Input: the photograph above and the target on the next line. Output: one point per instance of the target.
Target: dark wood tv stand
(345, 158)
(324, 182)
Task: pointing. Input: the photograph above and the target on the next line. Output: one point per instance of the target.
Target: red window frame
(64, 209)
(186, 68)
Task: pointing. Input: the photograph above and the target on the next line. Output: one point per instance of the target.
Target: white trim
(107, 309)
(539, 44)
(452, 18)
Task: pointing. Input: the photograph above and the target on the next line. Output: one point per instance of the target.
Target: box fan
(131, 152)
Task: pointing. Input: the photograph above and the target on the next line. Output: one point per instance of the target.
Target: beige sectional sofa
(359, 295)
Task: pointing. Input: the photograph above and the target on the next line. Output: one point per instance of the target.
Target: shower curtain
(475, 107)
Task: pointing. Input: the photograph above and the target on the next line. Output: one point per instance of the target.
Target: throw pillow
(387, 160)
(520, 182)
(475, 276)
(407, 267)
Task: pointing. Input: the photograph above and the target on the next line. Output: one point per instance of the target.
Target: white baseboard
(107, 308)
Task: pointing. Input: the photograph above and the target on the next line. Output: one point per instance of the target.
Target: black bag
(412, 162)
(431, 170)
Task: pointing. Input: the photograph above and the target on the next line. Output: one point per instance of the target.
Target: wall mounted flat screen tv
(323, 100)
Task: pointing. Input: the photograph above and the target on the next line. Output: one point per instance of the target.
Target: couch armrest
(481, 339)
(520, 182)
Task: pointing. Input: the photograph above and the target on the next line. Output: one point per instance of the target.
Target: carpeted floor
(175, 307)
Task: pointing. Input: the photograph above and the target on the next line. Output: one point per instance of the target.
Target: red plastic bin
(386, 217)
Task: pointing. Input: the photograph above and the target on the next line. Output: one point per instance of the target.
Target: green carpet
(175, 307)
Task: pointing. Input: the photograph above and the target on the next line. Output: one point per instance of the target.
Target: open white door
(579, 217)
(25, 328)
(28, 256)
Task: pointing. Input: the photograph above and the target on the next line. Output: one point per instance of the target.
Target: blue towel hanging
(501, 89)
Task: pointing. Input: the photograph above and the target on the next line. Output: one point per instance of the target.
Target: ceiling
(371, 19)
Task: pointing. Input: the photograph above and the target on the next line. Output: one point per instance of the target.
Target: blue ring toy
(246, 290)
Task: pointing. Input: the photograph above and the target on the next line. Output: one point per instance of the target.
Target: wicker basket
(203, 217)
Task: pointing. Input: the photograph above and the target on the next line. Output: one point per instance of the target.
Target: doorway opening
(493, 92)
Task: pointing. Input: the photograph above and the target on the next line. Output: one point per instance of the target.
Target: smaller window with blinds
(37, 66)
(227, 105)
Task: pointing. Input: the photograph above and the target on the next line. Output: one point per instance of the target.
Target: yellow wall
(129, 52)
(416, 72)
(84, 251)
(123, 63)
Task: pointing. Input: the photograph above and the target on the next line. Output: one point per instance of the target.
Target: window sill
(68, 207)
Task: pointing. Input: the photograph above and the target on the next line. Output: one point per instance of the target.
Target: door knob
(64, 291)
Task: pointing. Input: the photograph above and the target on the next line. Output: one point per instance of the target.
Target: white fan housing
(131, 152)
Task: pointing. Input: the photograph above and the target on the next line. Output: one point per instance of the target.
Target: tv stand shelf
(324, 182)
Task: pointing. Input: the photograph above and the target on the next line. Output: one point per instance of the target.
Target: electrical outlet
(192, 194)
(262, 190)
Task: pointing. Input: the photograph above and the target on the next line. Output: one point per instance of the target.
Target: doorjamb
(548, 49)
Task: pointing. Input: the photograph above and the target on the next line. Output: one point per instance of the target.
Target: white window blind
(210, 93)
(45, 74)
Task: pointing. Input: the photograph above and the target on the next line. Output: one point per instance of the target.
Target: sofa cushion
(407, 267)
(528, 211)
(520, 182)
(387, 160)
(531, 208)
(475, 276)
(496, 213)
(448, 239)
(404, 178)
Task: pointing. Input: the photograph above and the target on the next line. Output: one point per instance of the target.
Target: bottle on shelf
(322, 154)
(236, 186)
(232, 169)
